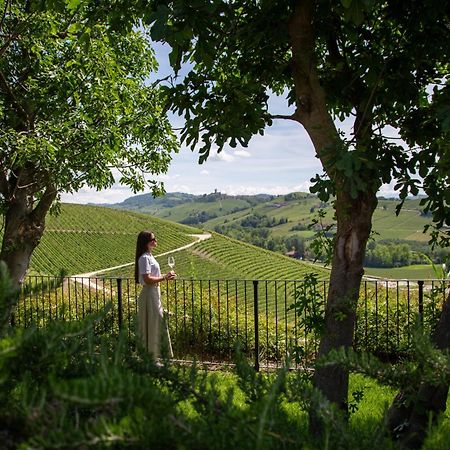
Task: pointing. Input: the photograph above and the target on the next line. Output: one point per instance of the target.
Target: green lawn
(415, 272)
(365, 422)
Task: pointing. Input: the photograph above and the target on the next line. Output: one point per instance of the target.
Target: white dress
(152, 328)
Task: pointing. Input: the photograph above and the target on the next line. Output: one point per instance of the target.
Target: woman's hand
(170, 275)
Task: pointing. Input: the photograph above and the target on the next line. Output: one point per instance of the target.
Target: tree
(365, 61)
(74, 105)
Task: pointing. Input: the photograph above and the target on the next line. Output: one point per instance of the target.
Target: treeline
(251, 221)
(260, 220)
(255, 229)
(397, 253)
(198, 217)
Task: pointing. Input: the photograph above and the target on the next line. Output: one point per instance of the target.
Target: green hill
(84, 238)
(90, 238)
(223, 258)
(87, 238)
(191, 209)
(219, 262)
(296, 211)
(280, 223)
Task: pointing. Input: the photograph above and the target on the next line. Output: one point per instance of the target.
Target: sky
(281, 161)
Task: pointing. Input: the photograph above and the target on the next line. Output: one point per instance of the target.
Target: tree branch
(9, 92)
(41, 209)
(361, 123)
(7, 3)
(312, 110)
(4, 185)
(157, 82)
(281, 116)
(18, 27)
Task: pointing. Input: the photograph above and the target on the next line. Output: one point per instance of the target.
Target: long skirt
(152, 328)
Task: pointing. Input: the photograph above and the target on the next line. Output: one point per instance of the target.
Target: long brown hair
(144, 237)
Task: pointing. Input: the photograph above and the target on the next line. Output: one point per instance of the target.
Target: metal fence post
(255, 312)
(119, 302)
(420, 283)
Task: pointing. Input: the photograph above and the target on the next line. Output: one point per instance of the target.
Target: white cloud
(387, 190)
(242, 153)
(181, 188)
(85, 195)
(222, 156)
(257, 189)
(302, 187)
(166, 177)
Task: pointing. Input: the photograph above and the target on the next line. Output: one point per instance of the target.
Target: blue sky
(281, 161)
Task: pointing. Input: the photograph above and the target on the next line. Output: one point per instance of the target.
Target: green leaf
(355, 11)
(175, 58)
(73, 4)
(74, 28)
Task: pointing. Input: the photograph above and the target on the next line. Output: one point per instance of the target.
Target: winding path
(199, 238)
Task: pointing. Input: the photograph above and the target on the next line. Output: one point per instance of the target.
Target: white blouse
(148, 265)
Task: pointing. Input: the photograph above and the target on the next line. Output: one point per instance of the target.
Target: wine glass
(171, 262)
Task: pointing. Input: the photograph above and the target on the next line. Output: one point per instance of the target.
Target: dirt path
(199, 238)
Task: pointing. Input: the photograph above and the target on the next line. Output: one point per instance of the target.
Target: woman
(152, 328)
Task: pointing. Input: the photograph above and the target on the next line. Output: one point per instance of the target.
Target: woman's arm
(148, 279)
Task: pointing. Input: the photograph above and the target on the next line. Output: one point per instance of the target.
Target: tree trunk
(27, 200)
(409, 416)
(20, 238)
(24, 227)
(354, 216)
(354, 224)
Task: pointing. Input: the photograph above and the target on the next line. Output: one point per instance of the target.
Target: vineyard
(88, 238)
(208, 318)
(254, 262)
(211, 306)
(223, 258)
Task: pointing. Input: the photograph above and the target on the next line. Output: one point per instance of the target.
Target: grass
(219, 208)
(365, 423)
(414, 272)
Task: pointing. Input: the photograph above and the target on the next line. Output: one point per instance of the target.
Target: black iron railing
(207, 319)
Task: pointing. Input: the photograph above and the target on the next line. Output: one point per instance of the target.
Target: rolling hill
(180, 207)
(91, 238)
(296, 210)
(223, 258)
(87, 238)
(280, 223)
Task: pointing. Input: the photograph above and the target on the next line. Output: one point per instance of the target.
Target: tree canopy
(372, 60)
(75, 104)
(382, 65)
